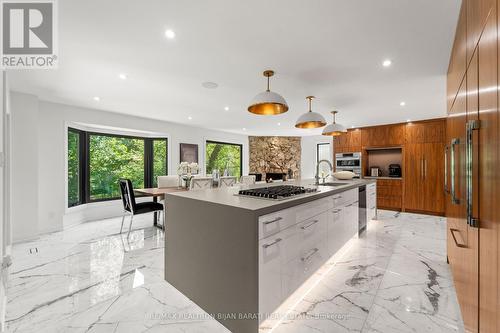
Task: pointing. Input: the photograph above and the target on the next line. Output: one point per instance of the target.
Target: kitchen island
(240, 258)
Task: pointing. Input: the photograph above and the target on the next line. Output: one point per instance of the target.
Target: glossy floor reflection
(92, 279)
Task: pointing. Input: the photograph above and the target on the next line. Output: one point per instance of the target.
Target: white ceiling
(332, 49)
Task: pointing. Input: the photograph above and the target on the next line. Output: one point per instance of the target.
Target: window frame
(82, 169)
(317, 150)
(84, 156)
(224, 143)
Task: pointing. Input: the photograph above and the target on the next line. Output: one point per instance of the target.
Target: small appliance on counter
(375, 171)
(394, 170)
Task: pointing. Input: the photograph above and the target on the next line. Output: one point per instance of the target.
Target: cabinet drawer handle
(337, 197)
(309, 256)
(309, 225)
(273, 243)
(355, 202)
(372, 207)
(336, 211)
(273, 221)
(455, 239)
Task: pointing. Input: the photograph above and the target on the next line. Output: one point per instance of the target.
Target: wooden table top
(159, 192)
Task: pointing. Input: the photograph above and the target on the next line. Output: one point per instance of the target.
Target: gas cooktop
(279, 192)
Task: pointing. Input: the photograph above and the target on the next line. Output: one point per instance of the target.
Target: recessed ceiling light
(97, 98)
(226, 108)
(244, 128)
(352, 126)
(387, 63)
(170, 34)
(209, 85)
(408, 120)
(123, 76)
(402, 103)
(190, 118)
(279, 124)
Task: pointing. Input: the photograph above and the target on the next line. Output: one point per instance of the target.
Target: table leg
(155, 222)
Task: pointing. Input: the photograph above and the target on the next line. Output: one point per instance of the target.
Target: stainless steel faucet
(317, 169)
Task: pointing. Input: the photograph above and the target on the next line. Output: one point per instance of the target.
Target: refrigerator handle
(454, 199)
(471, 126)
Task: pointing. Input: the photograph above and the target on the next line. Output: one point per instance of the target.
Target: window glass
(223, 157)
(159, 160)
(112, 158)
(324, 153)
(73, 168)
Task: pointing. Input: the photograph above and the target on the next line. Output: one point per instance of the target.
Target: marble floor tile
(91, 278)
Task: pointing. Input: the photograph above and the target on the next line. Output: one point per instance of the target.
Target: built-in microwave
(348, 162)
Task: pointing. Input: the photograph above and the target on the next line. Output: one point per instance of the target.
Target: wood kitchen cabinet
(425, 132)
(349, 142)
(390, 194)
(424, 177)
(383, 136)
(424, 167)
(458, 60)
(473, 221)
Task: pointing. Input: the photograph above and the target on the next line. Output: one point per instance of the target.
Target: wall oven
(348, 162)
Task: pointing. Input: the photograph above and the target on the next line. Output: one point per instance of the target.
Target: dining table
(161, 193)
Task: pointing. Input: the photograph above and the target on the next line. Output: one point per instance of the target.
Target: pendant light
(310, 119)
(334, 129)
(268, 102)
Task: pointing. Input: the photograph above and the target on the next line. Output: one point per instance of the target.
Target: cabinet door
(414, 176)
(334, 241)
(415, 133)
(433, 176)
(457, 67)
(488, 180)
(271, 251)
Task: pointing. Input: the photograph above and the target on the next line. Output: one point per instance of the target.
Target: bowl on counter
(344, 175)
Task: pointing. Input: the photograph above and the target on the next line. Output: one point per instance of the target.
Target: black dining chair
(132, 208)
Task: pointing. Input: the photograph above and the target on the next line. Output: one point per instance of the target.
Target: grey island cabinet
(239, 258)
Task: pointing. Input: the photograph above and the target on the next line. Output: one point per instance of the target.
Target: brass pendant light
(310, 119)
(268, 102)
(334, 129)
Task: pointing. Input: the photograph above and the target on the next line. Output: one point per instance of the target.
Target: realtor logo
(28, 34)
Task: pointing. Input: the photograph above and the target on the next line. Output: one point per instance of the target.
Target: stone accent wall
(275, 154)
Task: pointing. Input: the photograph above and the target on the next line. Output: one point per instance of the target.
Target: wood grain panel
(433, 190)
(458, 60)
(488, 179)
(422, 132)
(389, 203)
(413, 176)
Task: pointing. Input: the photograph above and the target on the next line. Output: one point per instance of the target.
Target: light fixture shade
(310, 120)
(268, 103)
(334, 130)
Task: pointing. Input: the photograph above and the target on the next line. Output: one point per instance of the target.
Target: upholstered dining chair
(248, 180)
(227, 181)
(130, 207)
(168, 181)
(201, 183)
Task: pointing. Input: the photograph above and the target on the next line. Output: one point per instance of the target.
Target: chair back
(127, 194)
(248, 180)
(201, 183)
(227, 181)
(168, 181)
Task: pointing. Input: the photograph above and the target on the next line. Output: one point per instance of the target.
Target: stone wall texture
(275, 154)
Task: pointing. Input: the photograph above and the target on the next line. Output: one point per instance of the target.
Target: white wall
(50, 148)
(309, 151)
(24, 167)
